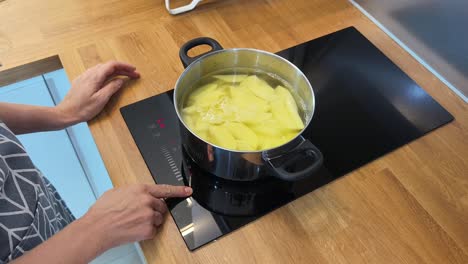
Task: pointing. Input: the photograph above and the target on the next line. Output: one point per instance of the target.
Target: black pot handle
(186, 59)
(305, 151)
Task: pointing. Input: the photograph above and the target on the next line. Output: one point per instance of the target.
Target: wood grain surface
(410, 206)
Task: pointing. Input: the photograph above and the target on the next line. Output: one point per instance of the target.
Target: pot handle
(186, 59)
(305, 152)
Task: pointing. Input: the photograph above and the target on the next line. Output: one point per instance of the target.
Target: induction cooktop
(366, 107)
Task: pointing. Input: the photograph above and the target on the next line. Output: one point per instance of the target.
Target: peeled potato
(201, 126)
(281, 115)
(203, 135)
(242, 145)
(266, 132)
(284, 116)
(242, 113)
(213, 116)
(209, 97)
(201, 92)
(270, 128)
(252, 117)
(243, 133)
(271, 142)
(225, 89)
(189, 120)
(291, 105)
(259, 87)
(193, 109)
(289, 136)
(287, 97)
(245, 99)
(222, 137)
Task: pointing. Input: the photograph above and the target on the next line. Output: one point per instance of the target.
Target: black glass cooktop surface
(365, 108)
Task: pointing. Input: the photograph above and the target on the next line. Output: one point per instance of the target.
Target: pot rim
(213, 53)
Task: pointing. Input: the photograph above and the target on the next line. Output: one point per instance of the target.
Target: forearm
(23, 119)
(80, 242)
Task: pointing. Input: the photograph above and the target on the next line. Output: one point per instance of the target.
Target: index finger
(167, 191)
(109, 68)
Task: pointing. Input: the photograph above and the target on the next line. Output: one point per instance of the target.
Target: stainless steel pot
(242, 165)
(235, 198)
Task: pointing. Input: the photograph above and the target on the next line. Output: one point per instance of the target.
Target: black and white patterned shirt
(31, 210)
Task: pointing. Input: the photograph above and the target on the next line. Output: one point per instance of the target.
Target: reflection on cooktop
(233, 198)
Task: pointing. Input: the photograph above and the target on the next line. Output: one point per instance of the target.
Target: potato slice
(209, 95)
(273, 129)
(228, 107)
(242, 114)
(202, 91)
(201, 125)
(268, 128)
(286, 95)
(221, 136)
(290, 104)
(225, 89)
(194, 122)
(189, 120)
(287, 119)
(288, 136)
(259, 87)
(252, 117)
(278, 109)
(271, 142)
(242, 145)
(233, 78)
(213, 116)
(244, 99)
(207, 99)
(243, 133)
(193, 109)
(236, 91)
(297, 120)
(203, 135)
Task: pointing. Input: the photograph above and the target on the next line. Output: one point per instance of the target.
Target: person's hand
(91, 91)
(132, 213)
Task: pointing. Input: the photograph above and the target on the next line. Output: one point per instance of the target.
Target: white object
(181, 9)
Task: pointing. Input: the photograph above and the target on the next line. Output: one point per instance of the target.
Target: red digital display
(160, 122)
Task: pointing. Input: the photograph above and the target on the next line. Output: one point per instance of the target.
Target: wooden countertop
(409, 206)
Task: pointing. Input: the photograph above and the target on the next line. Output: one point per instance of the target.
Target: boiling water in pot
(243, 109)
